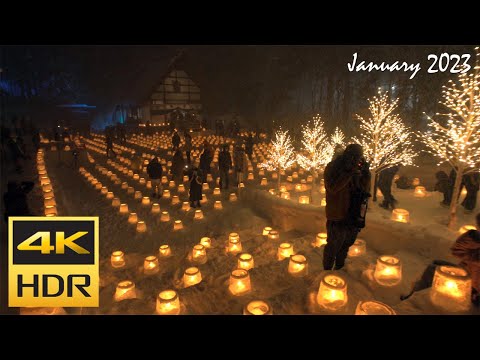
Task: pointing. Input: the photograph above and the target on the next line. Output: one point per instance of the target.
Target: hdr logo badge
(53, 262)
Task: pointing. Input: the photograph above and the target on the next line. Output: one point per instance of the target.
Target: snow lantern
(164, 251)
(233, 197)
(217, 205)
(177, 225)
(204, 199)
(283, 188)
(109, 195)
(132, 218)
(332, 294)
(263, 182)
(155, 208)
(309, 179)
(141, 227)
(185, 178)
(205, 186)
(322, 189)
(257, 307)
(304, 199)
(175, 200)
(466, 228)
(181, 189)
(241, 185)
(149, 184)
(451, 289)
(168, 303)
(289, 178)
(285, 195)
(234, 244)
(358, 248)
(44, 180)
(171, 184)
(51, 210)
(138, 195)
(150, 265)
(261, 172)
(99, 186)
(191, 276)
(209, 178)
(166, 194)
(48, 193)
(186, 206)
(165, 217)
(285, 250)
(49, 201)
(272, 191)
(298, 266)
(416, 182)
(124, 185)
(239, 282)
(273, 235)
(164, 180)
(250, 168)
(373, 308)
(320, 239)
(145, 201)
(216, 191)
(199, 254)
(400, 215)
(298, 187)
(206, 242)
(463, 192)
(125, 290)
(420, 192)
(388, 270)
(295, 175)
(136, 177)
(323, 202)
(48, 186)
(130, 173)
(266, 230)
(198, 214)
(245, 261)
(275, 176)
(130, 190)
(117, 259)
(116, 202)
(142, 181)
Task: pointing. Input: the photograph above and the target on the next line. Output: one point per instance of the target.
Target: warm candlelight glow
(298, 187)
(233, 197)
(216, 191)
(217, 205)
(241, 185)
(186, 206)
(285, 250)
(150, 265)
(181, 189)
(44, 180)
(149, 184)
(185, 178)
(322, 189)
(165, 217)
(164, 180)
(285, 195)
(289, 178)
(109, 195)
(206, 242)
(177, 225)
(400, 215)
(48, 186)
(466, 228)
(323, 202)
(198, 214)
(175, 200)
(192, 276)
(125, 290)
(273, 235)
(51, 210)
(155, 208)
(234, 244)
(49, 201)
(132, 218)
(166, 194)
(416, 182)
(239, 282)
(141, 227)
(275, 176)
(451, 289)
(48, 193)
(263, 182)
(138, 195)
(266, 230)
(463, 192)
(199, 254)
(304, 199)
(272, 191)
(283, 188)
(298, 265)
(168, 303)
(171, 184)
(332, 294)
(309, 179)
(124, 186)
(420, 192)
(250, 176)
(164, 251)
(205, 186)
(130, 190)
(117, 259)
(136, 177)
(142, 181)
(358, 248)
(373, 308)
(245, 261)
(204, 199)
(257, 307)
(209, 178)
(145, 201)
(388, 271)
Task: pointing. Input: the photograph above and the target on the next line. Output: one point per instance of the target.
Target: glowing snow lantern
(373, 308)
(181, 189)
(150, 265)
(266, 230)
(132, 218)
(155, 208)
(206, 242)
(204, 199)
(273, 235)
(138, 195)
(322, 189)
(198, 214)
(164, 251)
(304, 199)
(466, 228)
(142, 181)
(116, 203)
(261, 172)
(44, 180)
(49, 201)
(263, 182)
(199, 254)
(275, 176)
(332, 294)
(171, 184)
(185, 178)
(175, 200)
(98, 186)
(285, 250)
(217, 205)
(164, 180)
(233, 197)
(309, 179)
(388, 271)
(186, 206)
(136, 177)
(192, 276)
(416, 182)
(298, 266)
(168, 303)
(451, 289)
(124, 186)
(50, 210)
(177, 225)
(250, 176)
(141, 227)
(149, 184)
(464, 192)
(257, 307)
(358, 248)
(145, 201)
(109, 195)
(420, 192)
(283, 188)
(125, 290)
(130, 173)
(298, 187)
(205, 186)
(165, 217)
(234, 244)
(48, 186)
(245, 261)
(131, 190)
(216, 191)
(241, 185)
(166, 194)
(400, 215)
(117, 259)
(239, 282)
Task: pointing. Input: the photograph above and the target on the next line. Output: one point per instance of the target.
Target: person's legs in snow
(336, 236)
(350, 237)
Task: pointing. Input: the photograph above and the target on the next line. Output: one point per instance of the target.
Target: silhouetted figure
(136, 164)
(472, 183)
(249, 146)
(385, 180)
(175, 140)
(205, 160)
(443, 186)
(177, 166)
(195, 188)
(188, 145)
(224, 166)
(109, 141)
(15, 199)
(404, 182)
(155, 172)
(240, 160)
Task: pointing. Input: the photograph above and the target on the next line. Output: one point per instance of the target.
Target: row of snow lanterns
(49, 203)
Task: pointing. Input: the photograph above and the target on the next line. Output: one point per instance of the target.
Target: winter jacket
(195, 187)
(224, 161)
(205, 160)
(385, 178)
(188, 142)
(467, 249)
(339, 184)
(443, 183)
(175, 140)
(240, 161)
(154, 170)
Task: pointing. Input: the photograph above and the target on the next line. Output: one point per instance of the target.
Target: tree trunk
(372, 184)
(313, 186)
(375, 187)
(454, 202)
(278, 181)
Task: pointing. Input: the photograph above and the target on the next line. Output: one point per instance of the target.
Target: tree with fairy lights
(281, 154)
(456, 139)
(385, 139)
(337, 140)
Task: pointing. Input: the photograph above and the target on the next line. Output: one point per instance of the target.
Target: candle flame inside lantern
(257, 307)
(298, 265)
(266, 230)
(141, 227)
(304, 199)
(166, 194)
(164, 251)
(145, 201)
(388, 271)
(192, 276)
(400, 215)
(150, 265)
(117, 259)
(239, 282)
(155, 208)
(165, 217)
(245, 261)
(451, 289)
(273, 235)
(358, 248)
(132, 218)
(177, 225)
(125, 290)
(285, 250)
(420, 192)
(168, 303)
(217, 205)
(373, 308)
(206, 242)
(332, 294)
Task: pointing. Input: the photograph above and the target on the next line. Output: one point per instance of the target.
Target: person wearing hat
(224, 166)
(344, 176)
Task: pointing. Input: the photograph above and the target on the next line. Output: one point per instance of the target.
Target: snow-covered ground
(417, 243)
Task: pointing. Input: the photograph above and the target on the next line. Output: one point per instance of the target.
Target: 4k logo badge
(53, 262)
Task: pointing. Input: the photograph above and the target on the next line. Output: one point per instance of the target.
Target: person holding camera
(347, 184)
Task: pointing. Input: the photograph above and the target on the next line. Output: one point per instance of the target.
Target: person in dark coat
(15, 199)
(443, 186)
(343, 176)
(195, 188)
(240, 160)
(404, 182)
(224, 166)
(175, 140)
(249, 146)
(472, 183)
(177, 166)
(385, 180)
(205, 160)
(188, 145)
(155, 172)
(109, 141)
